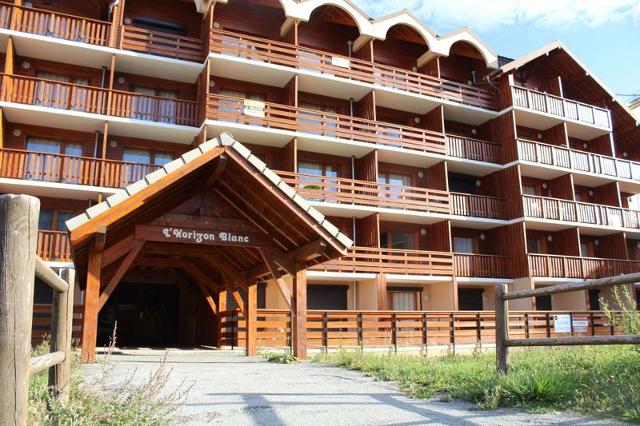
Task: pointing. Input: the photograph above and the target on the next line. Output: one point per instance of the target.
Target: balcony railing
(577, 160)
(391, 261)
(162, 44)
(274, 52)
(54, 24)
(478, 206)
(54, 246)
(573, 211)
(481, 265)
(45, 167)
(364, 193)
(554, 266)
(95, 100)
(284, 117)
(561, 107)
(473, 149)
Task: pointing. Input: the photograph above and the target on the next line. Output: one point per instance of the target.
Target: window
(462, 245)
(397, 240)
(62, 217)
(327, 297)
(533, 245)
(393, 183)
(159, 26)
(55, 93)
(155, 105)
(54, 220)
(401, 299)
(594, 299)
(321, 182)
(43, 163)
(45, 220)
(317, 121)
(470, 299)
(543, 303)
(584, 250)
(139, 162)
(528, 190)
(463, 184)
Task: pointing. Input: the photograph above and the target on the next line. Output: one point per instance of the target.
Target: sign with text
(253, 108)
(213, 237)
(562, 323)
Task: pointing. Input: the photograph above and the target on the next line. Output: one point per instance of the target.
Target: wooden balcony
(44, 167)
(561, 107)
(554, 266)
(278, 53)
(95, 100)
(473, 149)
(54, 24)
(481, 265)
(54, 246)
(391, 261)
(364, 193)
(284, 117)
(572, 159)
(574, 211)
(162, 44)
(478, 206)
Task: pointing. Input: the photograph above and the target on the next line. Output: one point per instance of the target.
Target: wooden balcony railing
(473, 149)
(54, 24)
(391, 261)
(359, 192)
(478, 206)
(481, 265)
(162, 44)
(555, 266)
(561, 107)
(54, 246)
(275, 52)
(89, 99)
(40, 166)
(577, 160)
(349, 328)
(574, 211)
(284, 117)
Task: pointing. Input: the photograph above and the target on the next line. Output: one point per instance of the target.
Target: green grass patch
(602, 381)
(280, 357)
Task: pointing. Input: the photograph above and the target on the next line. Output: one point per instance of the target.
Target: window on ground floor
(470, 299)
(404, 299)
(594, 299)
(543, 303)
(327, 297)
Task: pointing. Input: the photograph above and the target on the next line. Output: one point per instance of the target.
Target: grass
(603, 381)
(99, 401)
(280, 357)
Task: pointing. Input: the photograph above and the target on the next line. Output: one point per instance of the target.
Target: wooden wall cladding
(93, 75)
(268, 93)
(494, 241)
(291, 92)
(431, 68)
(436, 177)
(561, 187)
(180, 13)
(566, 242)
(366, 107)
(319, 33)
(88, 9)
(289, 161)
(275, 158)
(434, 119)
(344, 224)
(605, 194)
(343, 164)
(86, 139)
(515, 240)
(505, 97)
(368, 231)
(503, 129)
(601, 145)
(613, 246)
(366, 167)
(398, 53)
(556, 135)
(510, 189)
(366, 52)
(262, 18)
(437, 237)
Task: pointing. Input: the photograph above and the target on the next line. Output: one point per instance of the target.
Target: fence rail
(233, 44)
(473, 149)
(478, 206)
(555, 266)
(162, 44)
(482, 265)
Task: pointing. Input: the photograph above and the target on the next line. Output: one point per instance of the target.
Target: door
(543, 303)
(594, 299)
(43, 162)
(404, 299)
(327, 297)
(470, 299)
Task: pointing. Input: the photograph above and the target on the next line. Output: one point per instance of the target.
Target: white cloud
(485, 15)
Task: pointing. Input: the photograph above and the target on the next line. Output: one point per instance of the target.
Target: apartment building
(452, 169)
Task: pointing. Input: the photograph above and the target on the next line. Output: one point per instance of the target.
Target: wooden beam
(116, 251)
(220, 166)
(381, 288)
(204, 222)
(361, 41)
(122, 269)
(250, 316)
(299, 315)
(426, 58)
(239, 301)
(91, 300)
(199, 276)
(282, 286)
(308, 251)
(286, 26)
(101, 238)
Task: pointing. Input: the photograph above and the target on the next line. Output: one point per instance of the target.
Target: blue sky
(604, 34)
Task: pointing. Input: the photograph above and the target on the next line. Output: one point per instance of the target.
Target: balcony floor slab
(544, 121)
(54, 189)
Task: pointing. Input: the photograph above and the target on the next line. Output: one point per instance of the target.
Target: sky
(604, 34)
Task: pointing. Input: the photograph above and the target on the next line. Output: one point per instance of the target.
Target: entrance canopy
(217, 213)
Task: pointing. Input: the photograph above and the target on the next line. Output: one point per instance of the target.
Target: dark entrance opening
(327, 297)
(470, 299)
(147, 315)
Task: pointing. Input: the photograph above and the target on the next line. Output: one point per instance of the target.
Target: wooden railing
(391, 261)
(555, 266)
(284, 117)
(162, 44)
(275, 52)
(396, 329)
(42, 323)
(473, 149)
(481, 265)
(41, 166)
(360, 192)
(53, 246)
(54, 24)
(478, 206)
(561, 107)
(572, 159)
(574, 211)
(89, 99)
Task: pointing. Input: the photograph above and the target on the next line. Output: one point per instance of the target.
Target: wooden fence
(19, 266)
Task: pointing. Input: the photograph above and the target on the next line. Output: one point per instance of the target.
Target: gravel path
(231, 389)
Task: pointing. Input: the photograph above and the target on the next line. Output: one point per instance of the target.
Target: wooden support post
(222, 307)
(18, 236)
(91, 305)
(299, 314)
(502, 328)
(250, 317)
(381, 288)
(61, 337)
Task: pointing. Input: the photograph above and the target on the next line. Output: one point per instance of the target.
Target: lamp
(596, 242)
(545, 185)
(26, 65)
(17, 132)
(113, 143)
(549, 238)
(420, 174)
(478, 182)
(423, 232)
(482, 236)
(417, 120)
(539, 136)
(474, 131)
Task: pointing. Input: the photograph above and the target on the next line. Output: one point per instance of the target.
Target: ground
(228, 388)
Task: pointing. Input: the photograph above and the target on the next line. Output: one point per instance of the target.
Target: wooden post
(381, 288)
(91, 305)
(250, 317)
(299, 314)
(222, 307)
(18, 237)
(61, 337)
(502, 327)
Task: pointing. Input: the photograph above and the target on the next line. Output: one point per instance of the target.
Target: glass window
(39, 165)
(73, 149)
(528, 190)
(397, 240)
(393, 183)
(45, 220)
(62, 218)
(584, 250)
(404, 300)
(49, 146)
(533, 245)
(162, 158)
(133, 155)
(463, 245)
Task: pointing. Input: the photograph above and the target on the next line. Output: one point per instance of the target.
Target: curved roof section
(378, 28)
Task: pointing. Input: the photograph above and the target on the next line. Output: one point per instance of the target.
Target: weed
(280, 357)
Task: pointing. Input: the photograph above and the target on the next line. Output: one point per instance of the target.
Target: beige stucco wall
(607, 294)
(574, 301)
(439, 297)
(366, 295)
(525, 283)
